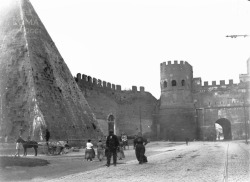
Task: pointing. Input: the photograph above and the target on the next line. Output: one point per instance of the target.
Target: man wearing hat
(112, 144)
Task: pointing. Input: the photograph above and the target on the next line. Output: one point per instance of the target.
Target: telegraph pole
(244, 106)
(140, 120)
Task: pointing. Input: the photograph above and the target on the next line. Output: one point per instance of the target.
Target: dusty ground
(199, 161)
(62, 165)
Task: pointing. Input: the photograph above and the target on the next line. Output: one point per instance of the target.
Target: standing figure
(124, 141)
(187, 139)
(120, 154)
(89, 152)
(100, 150)
(140, 143)
(6, 139)
(47, 136)
(112, 144)
(18, 146)
(135, 140)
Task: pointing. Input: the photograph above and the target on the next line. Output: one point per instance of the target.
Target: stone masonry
(37, 89)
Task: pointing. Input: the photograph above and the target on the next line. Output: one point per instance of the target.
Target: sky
(125, 41)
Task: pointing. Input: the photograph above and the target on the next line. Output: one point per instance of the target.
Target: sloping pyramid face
(37, 90)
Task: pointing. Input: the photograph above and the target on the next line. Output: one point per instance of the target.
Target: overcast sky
(124, 41)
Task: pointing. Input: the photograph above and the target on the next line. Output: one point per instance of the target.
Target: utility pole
(140, 120)
(244, 106)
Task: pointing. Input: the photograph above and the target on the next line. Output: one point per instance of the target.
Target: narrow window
(173, 83)
(165, 84)
(182, 82)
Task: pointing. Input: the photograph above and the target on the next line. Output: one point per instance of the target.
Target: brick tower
(176, 115)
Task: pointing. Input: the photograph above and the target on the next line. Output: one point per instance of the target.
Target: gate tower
(176, 115)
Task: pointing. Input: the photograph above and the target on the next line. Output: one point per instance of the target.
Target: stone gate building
(189, 108)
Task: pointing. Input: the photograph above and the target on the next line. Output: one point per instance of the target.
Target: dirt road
(199, 161)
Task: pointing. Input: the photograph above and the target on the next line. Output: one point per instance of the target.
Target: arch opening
(165, 84)
(182, 82)
(219, 132)
(174, 83)
(223, 129)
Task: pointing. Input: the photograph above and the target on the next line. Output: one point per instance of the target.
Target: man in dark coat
(112, 144)
(140, 143)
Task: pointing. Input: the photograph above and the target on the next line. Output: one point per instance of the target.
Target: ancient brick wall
(127, 106)
(223, 101)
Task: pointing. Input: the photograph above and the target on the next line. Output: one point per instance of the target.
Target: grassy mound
(21, 161)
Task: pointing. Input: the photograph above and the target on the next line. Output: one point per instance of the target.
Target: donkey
(29, 144)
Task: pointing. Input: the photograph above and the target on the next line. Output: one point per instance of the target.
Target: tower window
(174, 83)
(165, 84)
(182, 82)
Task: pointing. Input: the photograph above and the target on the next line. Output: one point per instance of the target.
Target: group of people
(114, 149)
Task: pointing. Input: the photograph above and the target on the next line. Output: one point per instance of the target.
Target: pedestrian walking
(120, 153)
(134, 140)
(187, 140)
(18, 146)
(47, 136)
(100, 150)
(140, 143)
(124, 139)
(6, 139)
(89, 151)
(112, 144)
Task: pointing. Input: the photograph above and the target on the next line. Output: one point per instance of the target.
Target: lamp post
(245, 120)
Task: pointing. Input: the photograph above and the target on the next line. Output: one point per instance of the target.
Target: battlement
(222, 83)
(197, 85)
(175, 63)
(89, 81)
(175, 68)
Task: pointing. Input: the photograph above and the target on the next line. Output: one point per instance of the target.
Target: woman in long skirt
(140, 143)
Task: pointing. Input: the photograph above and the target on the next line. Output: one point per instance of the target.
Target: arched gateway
(226, 128)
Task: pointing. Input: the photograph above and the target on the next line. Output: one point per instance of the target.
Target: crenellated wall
(187, 107)
(199, 87)
(88, 81)
(128, 107)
